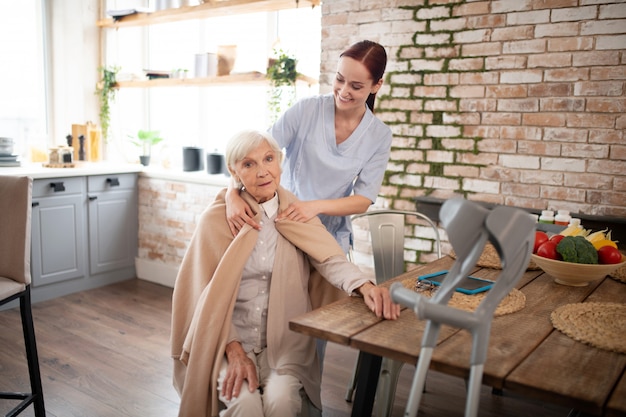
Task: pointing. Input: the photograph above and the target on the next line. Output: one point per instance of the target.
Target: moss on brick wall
(516, 103)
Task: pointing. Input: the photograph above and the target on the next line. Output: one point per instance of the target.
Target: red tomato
(556, 238)
(548, 250)
(609, 255)
(540, 237)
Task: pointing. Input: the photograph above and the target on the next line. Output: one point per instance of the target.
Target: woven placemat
(514, 301)
(619, 274)
(490, 259)
(602, 325)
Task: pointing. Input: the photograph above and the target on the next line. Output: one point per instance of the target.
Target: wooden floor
(105, 353)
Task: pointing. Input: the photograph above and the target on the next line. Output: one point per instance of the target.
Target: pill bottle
(574, 227)
(562, 218)
(547, 216)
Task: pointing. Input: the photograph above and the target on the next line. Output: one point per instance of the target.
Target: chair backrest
(387, 238)
(15, 216)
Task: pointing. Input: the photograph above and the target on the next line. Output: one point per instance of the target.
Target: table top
(526, 354)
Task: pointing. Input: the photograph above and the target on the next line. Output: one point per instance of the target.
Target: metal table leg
(366, 385)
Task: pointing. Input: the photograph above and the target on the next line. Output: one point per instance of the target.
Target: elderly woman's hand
(379, 301)
(240, 368)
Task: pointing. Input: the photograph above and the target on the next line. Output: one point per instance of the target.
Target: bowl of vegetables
(577, 259)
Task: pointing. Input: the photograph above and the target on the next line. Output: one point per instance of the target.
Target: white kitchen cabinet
(58, 230)
(84, 233)
(112, 212)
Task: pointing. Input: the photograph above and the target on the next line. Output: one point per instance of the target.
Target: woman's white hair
(242, 143)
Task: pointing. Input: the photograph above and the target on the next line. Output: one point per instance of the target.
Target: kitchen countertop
(197, 177)
(37, 171)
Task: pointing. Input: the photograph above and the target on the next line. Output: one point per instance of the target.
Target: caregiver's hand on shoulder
(240, 368)
(379, 301)
(299, 211)
(238, 212)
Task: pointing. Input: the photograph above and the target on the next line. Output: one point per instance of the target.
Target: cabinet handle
(93, 197)
(35, 204)
(57, 186)
(113, 182)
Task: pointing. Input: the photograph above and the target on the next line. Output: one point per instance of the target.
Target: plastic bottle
(574, 222)
(573, 228)
(547, 216)
(562, 218)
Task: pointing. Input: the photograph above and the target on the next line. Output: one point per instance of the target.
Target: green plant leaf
(282, 75)
(106, 89)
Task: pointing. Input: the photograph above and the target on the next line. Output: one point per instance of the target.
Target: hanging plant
(106, 89)
(282, 75)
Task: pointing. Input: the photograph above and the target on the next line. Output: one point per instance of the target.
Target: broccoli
(577, 249)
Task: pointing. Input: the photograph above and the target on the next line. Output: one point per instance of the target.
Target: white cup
(6, 146)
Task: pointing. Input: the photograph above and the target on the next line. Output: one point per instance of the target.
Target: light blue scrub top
(316, 168)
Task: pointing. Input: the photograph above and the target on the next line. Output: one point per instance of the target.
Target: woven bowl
(576, 275)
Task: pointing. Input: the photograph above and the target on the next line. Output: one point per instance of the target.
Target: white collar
(270, 206)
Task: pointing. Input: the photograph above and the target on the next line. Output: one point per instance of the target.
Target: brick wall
(515, 102)
(168, 213)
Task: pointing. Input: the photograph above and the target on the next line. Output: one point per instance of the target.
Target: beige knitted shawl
(206, 289)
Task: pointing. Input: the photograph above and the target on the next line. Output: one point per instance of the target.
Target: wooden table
(526, 354)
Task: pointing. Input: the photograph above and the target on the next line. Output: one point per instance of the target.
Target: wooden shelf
(211, 8)
(251, 77)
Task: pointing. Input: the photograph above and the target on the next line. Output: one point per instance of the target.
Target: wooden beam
(249, 77)
(211, 8)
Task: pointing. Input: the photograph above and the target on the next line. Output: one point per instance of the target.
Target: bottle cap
(548, 213)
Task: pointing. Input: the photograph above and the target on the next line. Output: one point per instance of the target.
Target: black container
(215, 163)
(193, 158)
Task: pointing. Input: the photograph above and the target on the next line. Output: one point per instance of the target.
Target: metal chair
(15, 206)
(387, 239)
(469, 225)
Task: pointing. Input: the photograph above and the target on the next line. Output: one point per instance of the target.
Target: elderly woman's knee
(281, 395)
(248, 404)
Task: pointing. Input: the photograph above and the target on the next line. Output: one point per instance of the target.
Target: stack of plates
(9, 160)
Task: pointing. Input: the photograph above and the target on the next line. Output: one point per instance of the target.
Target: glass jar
(53, 156)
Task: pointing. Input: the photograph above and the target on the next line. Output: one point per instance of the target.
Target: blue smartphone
(469, 285)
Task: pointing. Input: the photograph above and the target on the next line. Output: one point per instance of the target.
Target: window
(205, 116)
(22, 74)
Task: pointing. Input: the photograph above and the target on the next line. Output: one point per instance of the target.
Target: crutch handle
(403, 296)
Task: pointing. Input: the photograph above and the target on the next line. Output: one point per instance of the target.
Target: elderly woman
(233, 297)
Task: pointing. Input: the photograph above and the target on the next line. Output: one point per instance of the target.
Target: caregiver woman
(336, 150)
(234, 297)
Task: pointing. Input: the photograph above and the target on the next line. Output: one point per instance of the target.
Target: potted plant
(282, 74)
(105, 89)
(146, 139)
